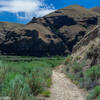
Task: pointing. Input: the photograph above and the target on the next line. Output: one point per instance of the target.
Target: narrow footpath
(63, 89)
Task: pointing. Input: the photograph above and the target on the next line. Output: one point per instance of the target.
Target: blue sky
(22, 11)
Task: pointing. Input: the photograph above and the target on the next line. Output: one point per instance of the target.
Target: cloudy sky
(22, 11)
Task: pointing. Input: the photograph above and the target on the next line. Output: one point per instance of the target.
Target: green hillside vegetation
(83, 76)
(22, 80)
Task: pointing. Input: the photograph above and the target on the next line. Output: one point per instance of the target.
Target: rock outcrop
(89, 47)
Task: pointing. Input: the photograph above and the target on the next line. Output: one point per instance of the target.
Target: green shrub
(93, 72)
(36, 83)
(98, 98)
(17, 89)
(49, 82)
(76, 67)
(94, 93)
(81, 82)
(87, 82)
(25, 80)
(78, 58)
(71, 76)
(46, 93)
(2, 73)
(68, 60)
(84, 76)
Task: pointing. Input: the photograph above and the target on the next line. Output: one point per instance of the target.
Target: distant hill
(54, 34)
(96, 9)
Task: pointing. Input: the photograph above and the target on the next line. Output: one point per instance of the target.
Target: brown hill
(5, 27)
(96, 9)
(53, 34)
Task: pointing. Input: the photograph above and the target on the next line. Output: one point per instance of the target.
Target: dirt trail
(63, 89)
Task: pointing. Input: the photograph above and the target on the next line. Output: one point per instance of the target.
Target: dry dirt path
(63, 89)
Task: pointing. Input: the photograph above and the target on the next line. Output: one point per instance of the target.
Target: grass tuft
(24, 80)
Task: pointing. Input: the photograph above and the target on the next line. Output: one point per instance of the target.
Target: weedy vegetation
(25, 80)
(84, 77)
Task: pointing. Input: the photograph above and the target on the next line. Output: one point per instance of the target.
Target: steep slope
(5, 27)
(53, 34)
(89, 46)
(69, 23)
(83, 66)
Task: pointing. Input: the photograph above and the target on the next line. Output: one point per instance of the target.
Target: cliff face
(89, 47)
(53, 34)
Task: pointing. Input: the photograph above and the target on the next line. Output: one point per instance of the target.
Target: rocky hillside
(96, 9)
(5, 27)
(83, 66)
(53, 34)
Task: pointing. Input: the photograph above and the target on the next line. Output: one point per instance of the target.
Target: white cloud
(29, 8)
